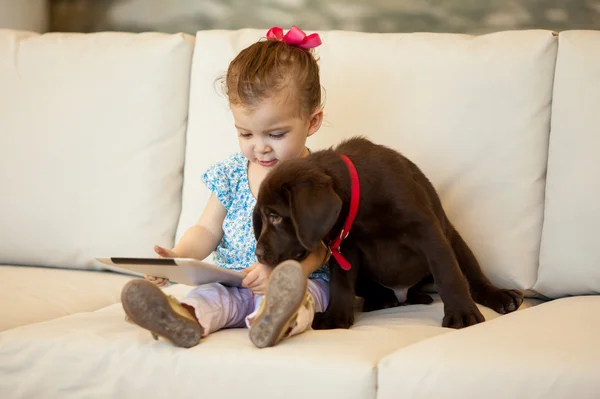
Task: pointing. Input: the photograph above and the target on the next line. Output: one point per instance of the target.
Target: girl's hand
(158, 281)
(163, 253)
(257, 278)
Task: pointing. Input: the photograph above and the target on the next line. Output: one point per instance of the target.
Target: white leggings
(218, 306)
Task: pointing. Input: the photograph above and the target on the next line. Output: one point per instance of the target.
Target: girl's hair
(271, 67)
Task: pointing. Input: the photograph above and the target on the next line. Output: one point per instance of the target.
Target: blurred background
(458, 16)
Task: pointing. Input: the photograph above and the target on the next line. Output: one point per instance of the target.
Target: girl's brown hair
(269, 67)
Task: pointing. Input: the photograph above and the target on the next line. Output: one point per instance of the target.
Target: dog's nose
(260, 251)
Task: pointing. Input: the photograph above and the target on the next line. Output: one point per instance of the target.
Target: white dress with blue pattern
(228, 181)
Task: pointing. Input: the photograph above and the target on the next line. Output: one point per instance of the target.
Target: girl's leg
(205, 309)
(317, 301)
(217, 306)
(147, 306)
(289, 305)
(317, 298)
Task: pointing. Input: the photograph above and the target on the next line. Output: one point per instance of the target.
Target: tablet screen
(144, 261)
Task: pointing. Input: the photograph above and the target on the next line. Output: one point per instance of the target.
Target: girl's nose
(261, 147)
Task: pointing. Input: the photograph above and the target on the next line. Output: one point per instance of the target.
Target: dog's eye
(274, 218)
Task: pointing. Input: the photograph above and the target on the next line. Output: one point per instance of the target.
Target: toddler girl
(274, 94)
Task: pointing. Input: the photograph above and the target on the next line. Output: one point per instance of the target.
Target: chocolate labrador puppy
(399, 238)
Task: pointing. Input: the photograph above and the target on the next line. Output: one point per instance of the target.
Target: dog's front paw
(500, 300)
(464, 316)
(325, 321)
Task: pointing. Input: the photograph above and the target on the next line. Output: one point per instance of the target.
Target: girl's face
(273, 131)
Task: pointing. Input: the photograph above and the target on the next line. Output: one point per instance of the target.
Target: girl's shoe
(286, 292)
(147, 306)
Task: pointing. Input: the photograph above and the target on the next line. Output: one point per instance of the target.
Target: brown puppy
(400, 237)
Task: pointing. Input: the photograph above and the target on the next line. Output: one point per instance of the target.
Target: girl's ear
(315, 122)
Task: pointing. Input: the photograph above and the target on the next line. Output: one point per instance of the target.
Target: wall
(24, 15)
(463, 16)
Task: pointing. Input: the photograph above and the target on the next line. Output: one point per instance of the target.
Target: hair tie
(294, 37)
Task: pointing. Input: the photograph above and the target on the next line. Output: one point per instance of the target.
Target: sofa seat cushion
(34, 294)
(97, 354)
(549, 351)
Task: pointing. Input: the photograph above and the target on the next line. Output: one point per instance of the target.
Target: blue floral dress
(228, 181)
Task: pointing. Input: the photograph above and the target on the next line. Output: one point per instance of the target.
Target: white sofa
(102, 141)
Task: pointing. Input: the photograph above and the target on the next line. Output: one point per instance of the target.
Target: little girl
(274, 94)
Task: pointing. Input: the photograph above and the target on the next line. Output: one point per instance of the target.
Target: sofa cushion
(570, 255)
(549, 351)
(34, 294)
(472, 112)
(115, 358)
(91, 145)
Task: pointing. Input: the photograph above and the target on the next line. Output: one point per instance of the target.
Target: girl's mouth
(267, 164)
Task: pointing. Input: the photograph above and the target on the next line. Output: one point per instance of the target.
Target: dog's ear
(314, 208)
(256, 223)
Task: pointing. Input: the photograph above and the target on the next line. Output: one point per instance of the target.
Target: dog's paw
(459, 318)
(324, 321)
(500, 300)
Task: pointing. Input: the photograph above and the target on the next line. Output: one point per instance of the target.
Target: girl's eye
(274, 219)
(278, 135)
(246, 135)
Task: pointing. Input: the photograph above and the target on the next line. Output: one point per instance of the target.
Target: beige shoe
(286, 292)
(147, 306)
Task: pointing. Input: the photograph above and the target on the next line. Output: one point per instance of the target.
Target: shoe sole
(148, 307)
(285, 293)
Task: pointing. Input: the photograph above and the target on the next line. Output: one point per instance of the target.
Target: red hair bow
(294, 37)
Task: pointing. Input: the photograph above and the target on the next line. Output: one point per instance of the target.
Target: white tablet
(178, 270)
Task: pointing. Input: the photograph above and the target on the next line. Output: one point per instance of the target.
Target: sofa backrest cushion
(570, 248)
(92, 136)
(472, 112)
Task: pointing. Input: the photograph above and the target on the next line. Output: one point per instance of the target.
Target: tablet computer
(178, 270)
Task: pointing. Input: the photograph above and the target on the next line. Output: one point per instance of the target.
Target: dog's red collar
(334, 244)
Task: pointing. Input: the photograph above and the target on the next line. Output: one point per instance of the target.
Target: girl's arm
(314, 260)
(202, 239)
(257, 275)
(198, 241)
